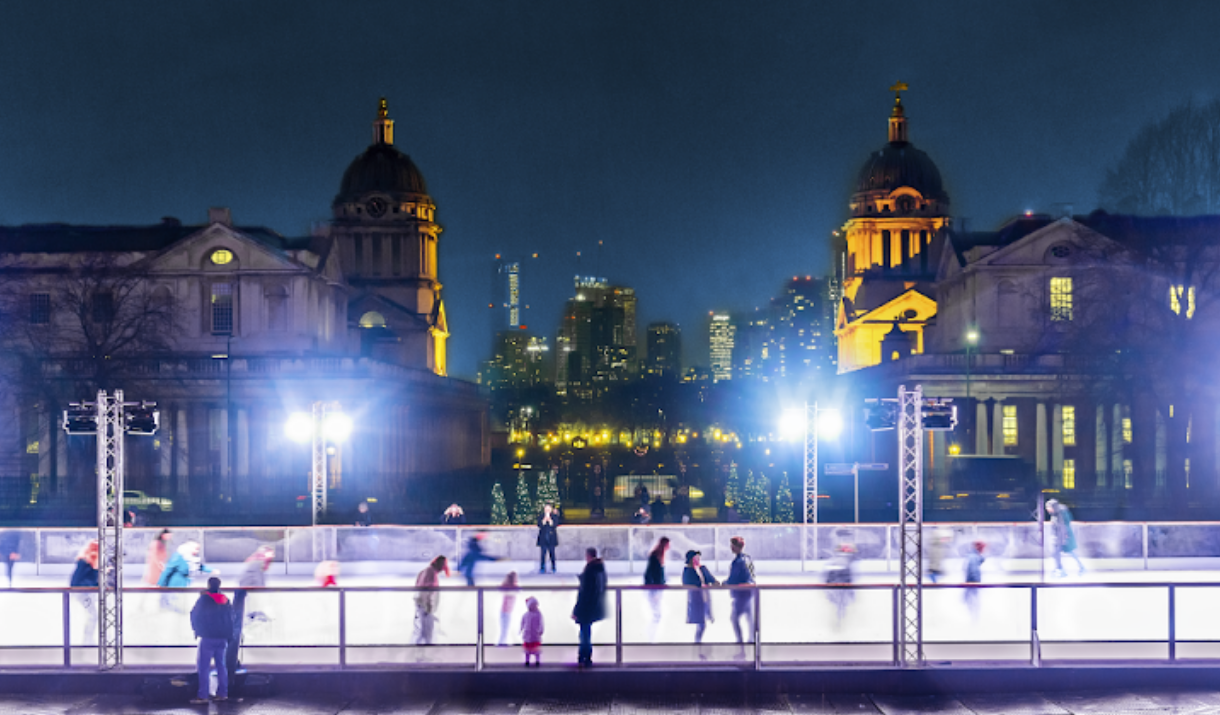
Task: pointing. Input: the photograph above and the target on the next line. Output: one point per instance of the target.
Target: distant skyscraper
(752, 346)
(664, 349)
(596, 341)
(722, 335)
(506, 289)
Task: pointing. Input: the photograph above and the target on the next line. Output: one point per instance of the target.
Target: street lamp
(324, 423)
(972, 340)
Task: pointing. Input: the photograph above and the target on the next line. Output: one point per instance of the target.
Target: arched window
(372, 319)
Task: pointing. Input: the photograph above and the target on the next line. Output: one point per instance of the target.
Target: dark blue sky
(710, 145)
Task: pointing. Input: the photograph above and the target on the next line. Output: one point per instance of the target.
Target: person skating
(156, 558)
(1065, 536)
(253, 575)
(427, 598)
(938, 551)
(654, 579)
(548, 536)
(840, 572)
(590, 604)
(254, 572)
(698, 599)
(474, 554)
(212, 621)
(741, 573)
(509, 588)
(363, 516)
(177, 574)
(85, 576)
(326, 575)
(532, 626)
(974, 574)
(10, 551)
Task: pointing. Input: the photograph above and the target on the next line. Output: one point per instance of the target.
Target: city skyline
(546, 128)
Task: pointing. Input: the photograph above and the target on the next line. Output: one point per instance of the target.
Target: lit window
(222, 309)
(894, 355)
(1179, 295)
(1009, 425)
(1069, 474)
(1128, 470)
(40, 308)
(372, 319)
(1061, 299)
(1068, 413)
(222, 257)
(1126, 430)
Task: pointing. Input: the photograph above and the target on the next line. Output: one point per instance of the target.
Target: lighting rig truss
(912, 414)
(811, 465)
(110, 418)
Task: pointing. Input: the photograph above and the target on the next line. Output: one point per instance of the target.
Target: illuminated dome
(900, 164)
(381, 168)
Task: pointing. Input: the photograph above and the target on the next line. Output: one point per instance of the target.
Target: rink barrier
(1126, 545)
(156, 636)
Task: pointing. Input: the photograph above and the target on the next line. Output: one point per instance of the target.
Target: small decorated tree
(756, 499)
(499, 506)
(523, 511)
(548, 489)
(785, 513)
(732, 488)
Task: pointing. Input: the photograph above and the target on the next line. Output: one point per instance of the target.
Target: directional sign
(876, 466)
(842, 468)
(839, 468)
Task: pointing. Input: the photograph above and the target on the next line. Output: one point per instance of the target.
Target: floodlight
(337, 427)
(830, 424)
(792, 423)
(142, 419)
(299, 427)
(80, 420)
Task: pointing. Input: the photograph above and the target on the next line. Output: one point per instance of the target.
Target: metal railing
(792, 625)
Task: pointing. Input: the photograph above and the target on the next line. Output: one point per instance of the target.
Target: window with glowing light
(222, 257)
(1061, 299)
(1128, 471)
(1126, 430)
(1182, 296)
(1069, 474)
(1068, 413)
(1009, 425)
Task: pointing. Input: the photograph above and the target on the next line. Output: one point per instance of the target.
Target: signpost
(854, 470)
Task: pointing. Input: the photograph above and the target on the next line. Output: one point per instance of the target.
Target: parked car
(138, 500)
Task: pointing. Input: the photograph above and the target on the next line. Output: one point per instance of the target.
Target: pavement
(1094, 702)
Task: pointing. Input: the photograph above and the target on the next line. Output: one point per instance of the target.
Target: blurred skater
(1065, 536)
(938, 551)
(590, 604)
(741, 573)
(212, 621)
(974, 574)
(85, 576)
(474, 554)
(548, 536)
(157, 557)
(363, 516)
(254, 573)
(654, 579)
(532, 626)
(427, 599)
(326, 574)
(698, 599)
(840, 572)
(509, 588)
(10, 551)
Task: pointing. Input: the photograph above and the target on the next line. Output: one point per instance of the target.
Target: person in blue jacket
(473, 555)
(1065, 536)
(741, 573)
(177, 573)
(85, 577)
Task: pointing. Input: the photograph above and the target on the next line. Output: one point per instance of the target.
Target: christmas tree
(548, 489)
(732, 488)
(524, 511)
(499, 506)
(756, 499)
(784, 511)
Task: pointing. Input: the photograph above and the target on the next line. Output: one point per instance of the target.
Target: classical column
(1057, 445)
(980, 428)
(1162, 458)
(181, 447)
(997, 427)
(1040, 450)
(165, 451)
(226, 465)
(1118, 476)
(44, 443)
(242, 485)
(1101, 448)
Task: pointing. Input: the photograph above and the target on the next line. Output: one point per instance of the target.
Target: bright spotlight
(830, 424)
(337, 427)
(299, 427)
(792, 423)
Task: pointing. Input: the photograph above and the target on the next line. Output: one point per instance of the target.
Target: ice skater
(548, 536)
(1065, 536)
(326, 574)
(974, 574)
(212, 621)
(427, 599)
(741, 573)
(177, 574)
(532, 626)
(698, 598)
(85, 576)
(654, 579)
(10, 551)
(840, 572)
(938, 550)
(474, 554)
(509, 588)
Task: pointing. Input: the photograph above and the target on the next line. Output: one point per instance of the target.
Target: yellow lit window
(1069, 474)
(1179, 295)
(1069, 425)
(221, 257)
(1010, 425)
(1128, 470)
(1126, 430)
(1061, 299)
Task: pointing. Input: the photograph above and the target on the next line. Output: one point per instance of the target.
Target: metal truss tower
(110, 470)
(910, 525)
(318, 491)
(811, 464)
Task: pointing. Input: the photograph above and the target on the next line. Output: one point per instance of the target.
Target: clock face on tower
(376, 207)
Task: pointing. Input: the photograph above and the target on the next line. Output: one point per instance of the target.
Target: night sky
(711, 146)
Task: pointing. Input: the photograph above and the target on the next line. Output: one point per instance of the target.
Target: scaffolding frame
(110, 473)
(910, 525)
(811, 464)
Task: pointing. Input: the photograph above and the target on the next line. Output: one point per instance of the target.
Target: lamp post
(972, 340)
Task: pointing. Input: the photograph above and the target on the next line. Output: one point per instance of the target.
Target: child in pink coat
(532, 627)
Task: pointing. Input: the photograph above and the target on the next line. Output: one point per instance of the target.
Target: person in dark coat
(641, 493)
(679, 506)
(363, 516)
(654, 579)
(548, 536)
(658, 511)
(474, 554)
(212, 621)
(10, 551)
(641, 516)
(741, 573)
(590, 604)
(597, 503)
(85, 576)
(698, 601)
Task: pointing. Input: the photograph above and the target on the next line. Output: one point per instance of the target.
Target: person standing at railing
(741, 573)
(427, 598)
(654, 579)
(453, 516)
(212, 621)
(698, 599)
(590, 604)
(548, 536)
(974, 574)
(85, 576)
(10, 551)
(363, 516)
(1065, 536)
(507, 605)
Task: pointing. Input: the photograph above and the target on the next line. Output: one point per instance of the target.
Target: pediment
(192, 254)
(912, 300)
(1041, 247)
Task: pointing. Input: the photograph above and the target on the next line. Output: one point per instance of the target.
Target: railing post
(67, 606)
(618, 626)
(342, 629)
(1173, 631)
(897, 617)
(757, 628)
(1145, 546)
(478, 656)
(1035, 643)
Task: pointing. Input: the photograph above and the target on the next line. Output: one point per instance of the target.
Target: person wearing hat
(212, 621)
(698, 600)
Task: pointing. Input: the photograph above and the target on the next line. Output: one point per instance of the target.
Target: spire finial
(898, 121)
(383, 127)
